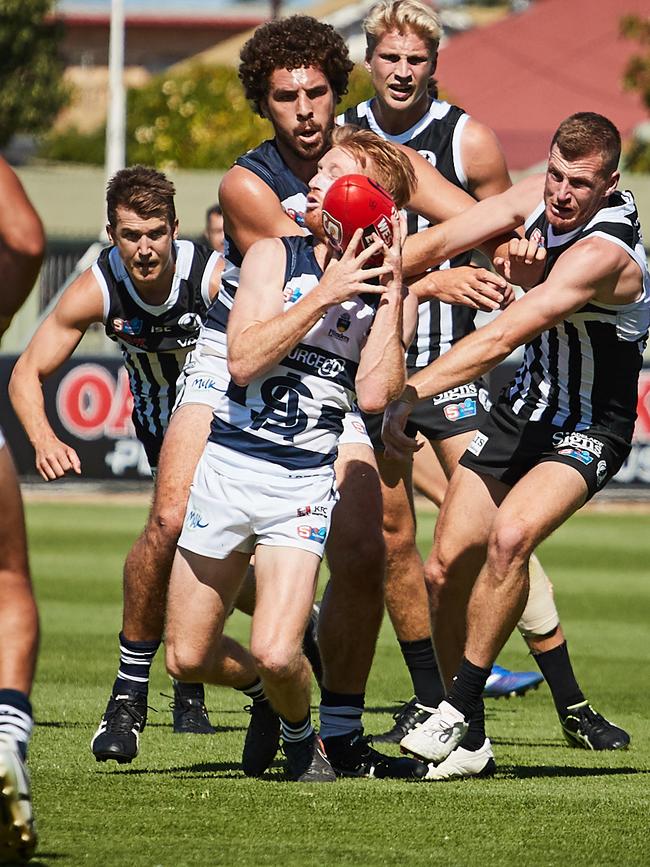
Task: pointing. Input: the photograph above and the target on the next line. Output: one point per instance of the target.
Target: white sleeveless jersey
(293, 415)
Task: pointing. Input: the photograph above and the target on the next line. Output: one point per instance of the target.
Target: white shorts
(226, 514)
(354, 430)
(203, 380)
(2, 439)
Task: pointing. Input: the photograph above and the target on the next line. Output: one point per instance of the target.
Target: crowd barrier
(88, 403)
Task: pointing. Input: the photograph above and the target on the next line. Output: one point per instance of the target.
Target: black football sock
(467, 687)
(556, 667)
(421, 662)
(340, 713)
(475, 737)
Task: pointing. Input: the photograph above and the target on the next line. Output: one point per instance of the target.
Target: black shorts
(453, 412)
(507, 447)
(151, 443)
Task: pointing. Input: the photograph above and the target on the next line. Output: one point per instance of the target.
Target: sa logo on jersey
(313, 534)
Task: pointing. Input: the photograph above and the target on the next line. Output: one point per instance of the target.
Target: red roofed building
(526, 73)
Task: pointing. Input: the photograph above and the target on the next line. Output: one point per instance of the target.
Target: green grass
(184, 800)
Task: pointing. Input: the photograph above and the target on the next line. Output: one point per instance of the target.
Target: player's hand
(522, 262)
(397, 444)
(472, 287)
(54, 459)
(346, 277)
(394, 281)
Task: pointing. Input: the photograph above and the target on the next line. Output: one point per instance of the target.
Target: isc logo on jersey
(314, 534)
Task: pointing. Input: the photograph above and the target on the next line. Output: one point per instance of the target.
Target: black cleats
(584, 727)
(262, 739)
(307, 762)
(119, 730)
(310, 643)
(407, 717)
(352, 756)
(189, 710)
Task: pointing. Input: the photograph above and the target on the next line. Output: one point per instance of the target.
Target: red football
(357, 202)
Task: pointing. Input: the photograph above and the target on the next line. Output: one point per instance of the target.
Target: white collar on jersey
(184, 254)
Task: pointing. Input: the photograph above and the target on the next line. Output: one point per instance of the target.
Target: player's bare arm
(382, 370)
(593, 269)
(260, 332)
(215, 279)
(483, 161)
(52, 344)
(22, 244)
(251, 209)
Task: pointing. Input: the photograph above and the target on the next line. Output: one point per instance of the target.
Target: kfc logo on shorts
(582, 456)
(459, 411)
(601, 472)
(313, 534)
(477, 444)
(317, 511)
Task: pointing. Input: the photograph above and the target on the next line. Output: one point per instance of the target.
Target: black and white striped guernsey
(437, 137)
(155, 340)
(584, 372)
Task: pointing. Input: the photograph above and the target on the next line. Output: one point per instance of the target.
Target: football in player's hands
(357, 202)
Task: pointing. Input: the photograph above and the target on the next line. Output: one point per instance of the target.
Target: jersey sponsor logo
(429, 156)
(195, 521)
(459, 411)
(478, 443)
(190, 321)
(601, 472)
(161, 329)
(580, 441)
(578, 455)
(313, 534)
(296, 216)
(184, 342)
(291, 294)
(455, 394)
(132, 327)
(329, 368)
(317, 511)
(537, 237)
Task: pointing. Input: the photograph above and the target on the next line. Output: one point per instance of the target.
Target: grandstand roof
(526, 73)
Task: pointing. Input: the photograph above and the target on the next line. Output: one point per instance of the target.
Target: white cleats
(17, 835)
(436, 737)
(462, 763)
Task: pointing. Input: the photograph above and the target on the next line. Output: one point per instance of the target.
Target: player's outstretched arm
(53, 343)
(260, 332)
(22, 243)
(251, 210)
(590, 267)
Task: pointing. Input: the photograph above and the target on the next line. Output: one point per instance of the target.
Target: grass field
(184, 800)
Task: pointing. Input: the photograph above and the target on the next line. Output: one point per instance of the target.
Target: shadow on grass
(531, 772)
(221, 769)
(49, 858)
(158, 724)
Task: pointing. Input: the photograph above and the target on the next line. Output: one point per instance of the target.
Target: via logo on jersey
(342, 324)
(459, 411)
(194, 521)
(190, 321)
(132, 327)
(313, 534)
(582, 456)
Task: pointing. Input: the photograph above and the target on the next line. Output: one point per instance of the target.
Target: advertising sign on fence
(88, 403)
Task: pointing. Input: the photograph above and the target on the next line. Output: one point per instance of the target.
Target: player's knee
(275, 661)
(164, 526)
(183, 662)
(510, 544)
(436, 573)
